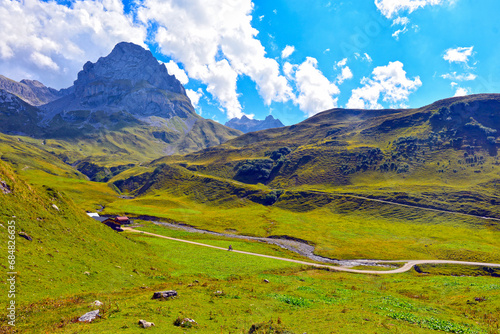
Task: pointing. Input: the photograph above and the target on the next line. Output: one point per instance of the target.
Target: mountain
(125, 108)
(17, 117)
(31, 91)
(444, 155)
(245, 124)
(129, 79)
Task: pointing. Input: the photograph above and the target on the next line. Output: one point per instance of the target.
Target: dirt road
(408, 264)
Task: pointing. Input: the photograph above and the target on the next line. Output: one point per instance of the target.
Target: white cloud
(43, 61)
(288, 70)
(287, 51)
(216, 51)
(390, 82)
(398, 32)
(402, 21)
(459, 77)
(315, 91)
(461, 92)
(458, 55)
(174, 69)
(341, 63)
(364, 57)
(195, 96)
(346, 74)
(50, 42)
(389, 8)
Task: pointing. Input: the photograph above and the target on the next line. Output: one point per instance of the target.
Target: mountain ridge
(245, 124)
(31, 91)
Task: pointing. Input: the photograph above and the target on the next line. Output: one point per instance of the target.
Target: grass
(223, 291)
(221, 300)
(73, 260)
(348, 229)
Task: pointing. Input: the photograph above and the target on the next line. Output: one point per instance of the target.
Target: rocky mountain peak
(30, 91)
(32, 83)
(246, 124)
(129, 79)
(130, 64)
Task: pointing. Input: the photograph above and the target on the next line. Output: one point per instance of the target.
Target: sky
(288, 58)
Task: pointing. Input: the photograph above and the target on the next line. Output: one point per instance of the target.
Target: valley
(415, 188)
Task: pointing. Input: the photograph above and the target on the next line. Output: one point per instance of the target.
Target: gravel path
(295, 245)
(406, 267)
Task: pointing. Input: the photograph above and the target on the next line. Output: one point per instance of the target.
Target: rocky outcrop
(245, 124)
(4, 187)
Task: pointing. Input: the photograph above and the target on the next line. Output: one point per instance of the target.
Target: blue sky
(288, 58)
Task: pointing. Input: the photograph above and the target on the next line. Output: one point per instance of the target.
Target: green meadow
(225, 292)
(381, 185)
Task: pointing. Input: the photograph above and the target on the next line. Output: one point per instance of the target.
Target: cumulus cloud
(50, 42)
(341, 63)
(390, 82)
(389, 8)
(287, 51)
(458, 55)
(345, 73)
(315, 91)
(216, 51)
(194, 96)
(174, 69)
(461, 92)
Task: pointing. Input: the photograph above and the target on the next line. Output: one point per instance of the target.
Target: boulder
(4, 187)
(164, 294)
(25, 236)
(97, 303)
(89, 316)
(185, 322)
(145, 324)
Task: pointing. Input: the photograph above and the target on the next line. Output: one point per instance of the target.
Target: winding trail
(405, 205)
(406, 267)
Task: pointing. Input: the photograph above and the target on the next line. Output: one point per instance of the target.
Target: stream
(289, 243)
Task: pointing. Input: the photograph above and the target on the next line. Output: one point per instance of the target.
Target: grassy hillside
(72, 261)
(386, 184)
(443, 155)
(227, 293)
(69, 252)
(355, 183)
